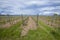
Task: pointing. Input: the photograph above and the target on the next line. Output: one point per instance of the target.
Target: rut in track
(31, 25)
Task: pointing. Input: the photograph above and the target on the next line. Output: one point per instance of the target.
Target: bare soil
(49, 23)
(9, 24)
(31, 25)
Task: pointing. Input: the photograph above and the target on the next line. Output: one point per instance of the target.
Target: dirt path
(31, 25)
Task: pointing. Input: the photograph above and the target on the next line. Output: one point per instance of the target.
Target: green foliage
(56, 35)
(12, 32)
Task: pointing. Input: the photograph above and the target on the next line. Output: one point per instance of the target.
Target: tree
(55, 14)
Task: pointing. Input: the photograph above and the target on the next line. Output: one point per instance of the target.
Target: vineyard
(29, 27)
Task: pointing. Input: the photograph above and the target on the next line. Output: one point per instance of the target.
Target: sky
(30, 7)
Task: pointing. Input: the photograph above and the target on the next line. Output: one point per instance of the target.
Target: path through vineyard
(31, 25)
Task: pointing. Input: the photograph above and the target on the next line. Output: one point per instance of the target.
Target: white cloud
(36, 2)
(57, 7)
(27, 12)
(49, 13)
(46, 8)
(57, 13)
(56, 1)
(17, 4)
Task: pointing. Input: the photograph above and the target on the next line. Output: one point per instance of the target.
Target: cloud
(49, 10)
(36, 2)
(50, 13)
(46, 9)
(30, 6)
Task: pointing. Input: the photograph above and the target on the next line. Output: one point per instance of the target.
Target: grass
(11, 33)
(51, 31)
(45, 33)
(38, 34)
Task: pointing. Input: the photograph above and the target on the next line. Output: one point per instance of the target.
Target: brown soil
(31, 25)
(49, 23)
(9, 24)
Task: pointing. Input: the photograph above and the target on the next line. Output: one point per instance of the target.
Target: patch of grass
(38, 34)
(45, 26)
(52, 32)
(12, 32)
(56, 35)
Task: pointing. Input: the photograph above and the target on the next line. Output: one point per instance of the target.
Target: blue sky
(30, 7)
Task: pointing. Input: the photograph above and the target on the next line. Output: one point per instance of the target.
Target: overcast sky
(30, 7)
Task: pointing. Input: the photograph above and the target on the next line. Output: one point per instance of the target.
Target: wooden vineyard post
(8, 18)
(22, 20)
(51, 20)
(37, 18)
(48, 21)
(57, 21)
